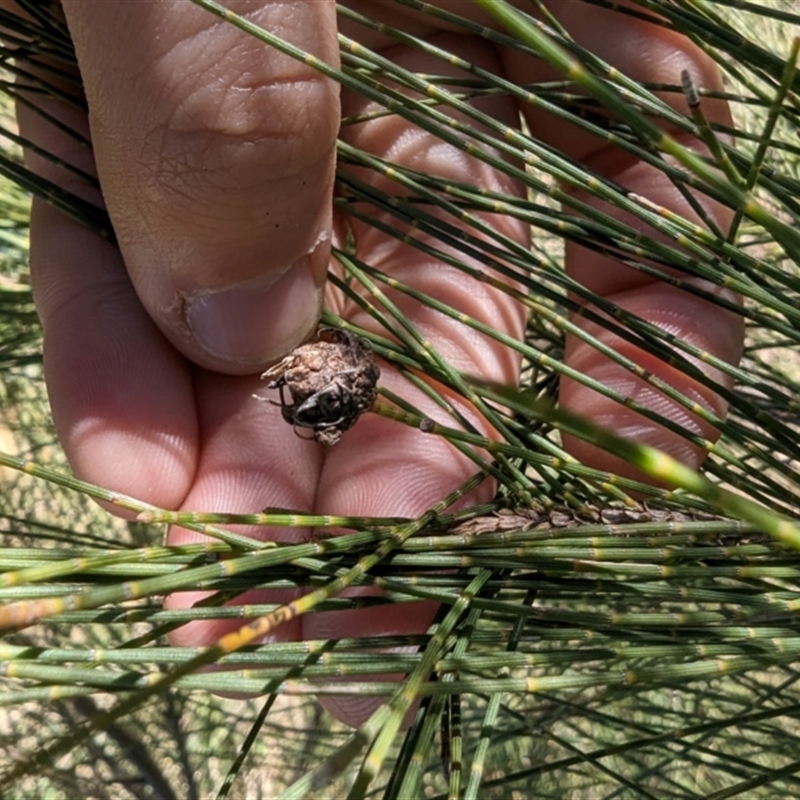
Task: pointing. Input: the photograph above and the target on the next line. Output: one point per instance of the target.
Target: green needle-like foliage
(590, 643)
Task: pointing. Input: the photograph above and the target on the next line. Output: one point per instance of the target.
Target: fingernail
(254, 323)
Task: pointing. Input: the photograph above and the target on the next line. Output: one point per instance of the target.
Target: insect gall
(326, 385)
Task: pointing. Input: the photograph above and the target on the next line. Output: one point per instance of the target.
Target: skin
(216, 161)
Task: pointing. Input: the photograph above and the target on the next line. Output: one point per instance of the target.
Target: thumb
(216, 157)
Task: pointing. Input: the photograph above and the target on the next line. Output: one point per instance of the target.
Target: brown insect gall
(326, 385)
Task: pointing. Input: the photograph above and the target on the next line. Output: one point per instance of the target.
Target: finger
(250, 459)
(381, 467)
(216, 157)
(121, 397)
(647, 53)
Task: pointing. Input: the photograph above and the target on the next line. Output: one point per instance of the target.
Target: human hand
(216, 158)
